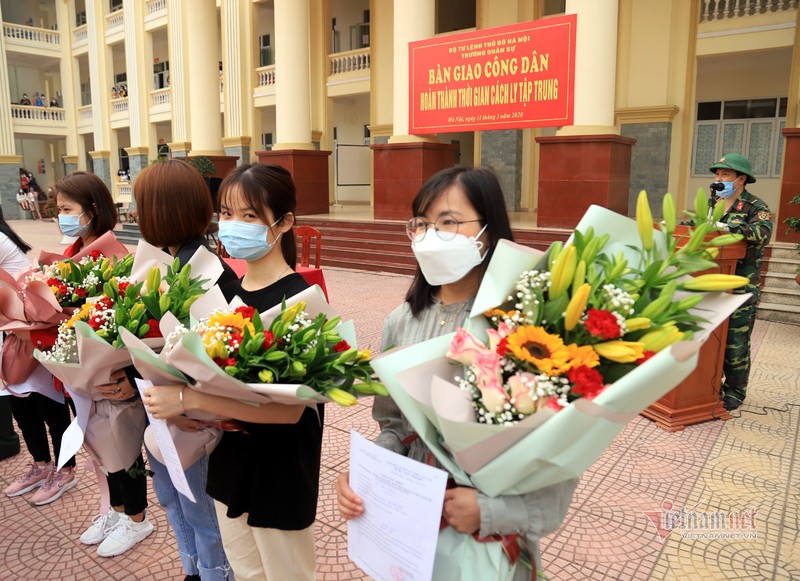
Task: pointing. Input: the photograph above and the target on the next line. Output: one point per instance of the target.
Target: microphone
(716, 187)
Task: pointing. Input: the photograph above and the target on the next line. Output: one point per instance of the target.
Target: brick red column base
(400, 169)
(309, 169)
(576, 171)
(790, 185)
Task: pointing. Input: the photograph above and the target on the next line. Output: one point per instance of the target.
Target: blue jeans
(195, 524)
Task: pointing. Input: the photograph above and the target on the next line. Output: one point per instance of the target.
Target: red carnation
(587, 382)
(602, 324)
(80, 292)
(269, 340)
(341, 346)
(53, 282)
(95, 254)
(230, 362)
(123, 286)
(502, 347)
(154, 330)
(646, 356)
(247, 312)
(235, 338)
(96, 322)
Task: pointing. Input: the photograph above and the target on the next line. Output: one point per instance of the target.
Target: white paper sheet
(167, 447)
(72, 439)
(396, 536)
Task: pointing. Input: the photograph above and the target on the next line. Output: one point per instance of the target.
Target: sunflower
(545, 351)
(233, 321)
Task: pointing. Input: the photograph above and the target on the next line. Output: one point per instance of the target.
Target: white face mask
(447, 262)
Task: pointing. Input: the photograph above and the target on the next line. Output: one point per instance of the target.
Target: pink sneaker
(56, 484)
(34, 478)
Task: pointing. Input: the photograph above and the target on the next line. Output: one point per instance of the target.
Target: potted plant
(793, 224)
(202, 164)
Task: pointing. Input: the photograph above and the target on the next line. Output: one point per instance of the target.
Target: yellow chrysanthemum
(80, 315)
(234, 321)
(500, 313)
(536, 346)
(583, 355)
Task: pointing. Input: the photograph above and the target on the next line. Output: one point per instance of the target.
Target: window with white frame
(752, 127)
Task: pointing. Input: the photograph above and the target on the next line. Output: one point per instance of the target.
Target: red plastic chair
(306, 234)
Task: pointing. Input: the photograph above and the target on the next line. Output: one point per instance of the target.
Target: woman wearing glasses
(459, 216)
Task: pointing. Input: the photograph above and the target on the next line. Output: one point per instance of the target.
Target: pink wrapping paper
(107, 244)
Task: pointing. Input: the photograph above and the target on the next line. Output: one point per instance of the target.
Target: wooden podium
(697, 398)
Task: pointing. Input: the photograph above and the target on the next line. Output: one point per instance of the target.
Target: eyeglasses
(446, 227)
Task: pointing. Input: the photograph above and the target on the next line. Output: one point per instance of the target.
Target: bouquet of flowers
(90, 345)
(561, 350)
(299, 351)
(616, 316)
(43, 298)
(90, 338)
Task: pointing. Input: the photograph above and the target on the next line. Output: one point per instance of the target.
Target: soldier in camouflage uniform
(749, 216)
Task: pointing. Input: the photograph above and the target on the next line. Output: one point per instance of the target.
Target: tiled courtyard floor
(748, 463)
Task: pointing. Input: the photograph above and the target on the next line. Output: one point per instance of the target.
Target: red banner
(510, 77)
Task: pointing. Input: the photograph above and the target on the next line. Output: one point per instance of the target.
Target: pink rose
(486, 367)
(497, 335)
(552, 403)
(465, 347)
(522, 386)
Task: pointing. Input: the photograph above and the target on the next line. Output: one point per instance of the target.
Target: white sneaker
(101, 526)
(124, 535)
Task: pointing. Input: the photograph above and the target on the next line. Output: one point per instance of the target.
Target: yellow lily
(637, 324)
(715, 282)
(576, 306)
(661, 338)
(620, 351)
(644, 220)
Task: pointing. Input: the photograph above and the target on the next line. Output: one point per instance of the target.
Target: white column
(413, 20)
(181, 132)
(293, 97)
(595, 67)
(136, 68)
(69, 81)
(7, 147)
(98, 73)
(237, 62)
(202, 43)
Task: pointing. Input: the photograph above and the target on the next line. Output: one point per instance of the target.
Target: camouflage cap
(736, 162)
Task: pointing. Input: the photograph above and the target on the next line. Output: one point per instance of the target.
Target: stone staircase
(780, 294)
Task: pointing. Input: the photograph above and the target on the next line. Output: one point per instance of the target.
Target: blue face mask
(70, 225)
(727, 190)
(245, 240)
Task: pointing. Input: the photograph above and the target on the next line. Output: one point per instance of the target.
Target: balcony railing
(349, 61)
(115, 21)
(155, 7)
(720, 9)
(30, 36)
(80, 36)
(85, 116)
(119, 107)
(37, 114)
(265, 76)
(160, 99)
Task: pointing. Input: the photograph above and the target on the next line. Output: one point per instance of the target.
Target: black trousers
(130, 491)
(9, 440)
(35, 412)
